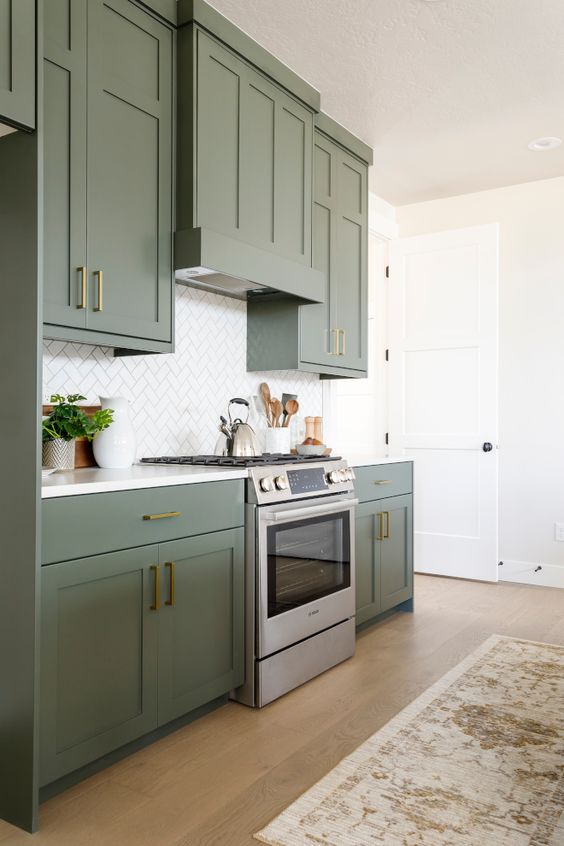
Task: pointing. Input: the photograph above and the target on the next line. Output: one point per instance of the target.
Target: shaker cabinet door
(367, 557)
(98, 657)
(17, 63)
(201, 634)
(396, 556)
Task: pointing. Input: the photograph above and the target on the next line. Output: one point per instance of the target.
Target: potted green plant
(66, 422)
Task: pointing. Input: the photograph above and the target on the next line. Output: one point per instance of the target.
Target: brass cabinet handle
(380, 535)
(157, 596)
(382, 481)
(164, 516)
(82, 271)
(387, 535)
(100, 279)
(335, 342)
(343, 350)
(170, 600)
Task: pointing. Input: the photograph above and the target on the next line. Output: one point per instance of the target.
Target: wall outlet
(559, 531)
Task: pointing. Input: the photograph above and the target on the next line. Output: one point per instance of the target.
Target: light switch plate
(559, 532)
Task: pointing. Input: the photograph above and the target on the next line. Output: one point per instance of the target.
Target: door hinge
(387, 271)
(387, 355)
(387, 438)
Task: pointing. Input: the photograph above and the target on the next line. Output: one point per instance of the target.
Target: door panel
(294, 128)
(129, 171)
(396, 552)
(201, 636)
(367, 553)
(17, 62)
(65, 168)
(443, 393)
(257, 163)
(99, 660)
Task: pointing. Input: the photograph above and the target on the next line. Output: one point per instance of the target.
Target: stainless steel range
(300, 575)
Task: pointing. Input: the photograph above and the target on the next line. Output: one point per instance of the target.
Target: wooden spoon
(276, 408)
(265, 396)
(292, 407)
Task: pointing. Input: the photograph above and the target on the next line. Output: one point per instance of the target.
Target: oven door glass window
(307, 559)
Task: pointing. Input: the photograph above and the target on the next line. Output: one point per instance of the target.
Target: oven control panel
(287, 482)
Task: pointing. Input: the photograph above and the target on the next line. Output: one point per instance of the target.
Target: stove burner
(236, 461)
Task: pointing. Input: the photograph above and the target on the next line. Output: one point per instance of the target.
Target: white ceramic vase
(114, 448)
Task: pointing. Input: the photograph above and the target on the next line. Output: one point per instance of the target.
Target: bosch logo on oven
(311, 613)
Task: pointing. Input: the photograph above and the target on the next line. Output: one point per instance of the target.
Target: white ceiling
(448, 93)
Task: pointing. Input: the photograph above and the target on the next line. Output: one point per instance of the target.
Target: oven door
(306, 573)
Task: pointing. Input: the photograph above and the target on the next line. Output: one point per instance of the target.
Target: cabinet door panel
(397, 551)
(129, 170)
(367, 556)
(201, 636)
(294, 128)
(17, 62)
(99, 661)
(258, 163)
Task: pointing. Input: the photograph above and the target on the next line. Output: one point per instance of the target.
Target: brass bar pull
(382, 481)
(100, 280)
(335, 342)
(380, 535)
(157, 596)
(164, 516)
(170, 600)
(82, 271)
(387, 535)
(343, 350)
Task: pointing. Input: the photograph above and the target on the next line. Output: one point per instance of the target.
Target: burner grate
(237, 461)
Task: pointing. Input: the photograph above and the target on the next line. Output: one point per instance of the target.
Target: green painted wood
(293, 146)
(122, 345)
(258, 161)
(76, 526)
(381, 481)
(130, 58)
(201, 637)
(98, 657)
(64, 197)
(200, 12)
(20, 527)
(166, 9)
(337, 133)
(367, 563)
(17, 63)
(396, 552)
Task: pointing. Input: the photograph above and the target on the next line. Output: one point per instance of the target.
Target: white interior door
(443, 328)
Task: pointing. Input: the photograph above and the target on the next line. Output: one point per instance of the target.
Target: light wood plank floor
(225, 776)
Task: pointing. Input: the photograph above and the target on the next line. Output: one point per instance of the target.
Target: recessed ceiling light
(541, 145)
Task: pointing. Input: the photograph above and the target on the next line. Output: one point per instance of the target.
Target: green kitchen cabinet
(133, 639)
(99, 644)
(384, 555)
(17, 63)
(245, 158)
(201, 626)
(330, 338)
(108, 175)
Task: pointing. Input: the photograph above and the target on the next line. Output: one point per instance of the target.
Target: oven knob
(348, 474)
(266, 484)
(281, 483)
(334, 477)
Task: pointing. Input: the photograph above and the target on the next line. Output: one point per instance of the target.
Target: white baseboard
(550, 575)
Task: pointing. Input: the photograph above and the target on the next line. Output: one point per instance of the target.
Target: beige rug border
(311, 796)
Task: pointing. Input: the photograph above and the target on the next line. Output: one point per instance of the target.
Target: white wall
(531, 343)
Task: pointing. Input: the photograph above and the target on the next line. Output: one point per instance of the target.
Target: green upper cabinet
(108, 175)
(245, 160)
(17, 63)
(330, 338)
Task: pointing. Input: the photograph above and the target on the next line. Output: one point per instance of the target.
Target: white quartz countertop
(92, 480)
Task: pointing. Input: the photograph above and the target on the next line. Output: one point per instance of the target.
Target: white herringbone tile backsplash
(176, 399)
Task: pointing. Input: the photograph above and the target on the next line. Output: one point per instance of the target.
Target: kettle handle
(238, 401)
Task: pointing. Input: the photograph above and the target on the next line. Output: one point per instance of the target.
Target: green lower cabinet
(201, 626)
(133, 639)
(98, 657)
(384, 555)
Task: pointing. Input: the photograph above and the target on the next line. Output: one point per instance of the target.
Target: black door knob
(487, 447)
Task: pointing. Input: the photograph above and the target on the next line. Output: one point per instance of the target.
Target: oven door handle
(311, 511)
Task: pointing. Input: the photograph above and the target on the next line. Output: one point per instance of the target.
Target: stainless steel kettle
(243, 440)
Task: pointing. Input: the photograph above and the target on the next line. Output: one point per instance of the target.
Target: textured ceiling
(448, 93)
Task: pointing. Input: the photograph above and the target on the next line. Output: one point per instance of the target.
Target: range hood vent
(212, 261)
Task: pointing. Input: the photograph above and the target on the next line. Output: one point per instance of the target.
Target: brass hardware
(170, 600)
(82, 271)
(380, 535)
(335, 344)
(157, 598)
(342, 351)
(164, 516)
(387, 535)
(382, 481)
(100, 279)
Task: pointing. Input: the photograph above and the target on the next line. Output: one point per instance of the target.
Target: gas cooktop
(238, 461)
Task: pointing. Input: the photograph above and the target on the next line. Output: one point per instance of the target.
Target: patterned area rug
(477, 760)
